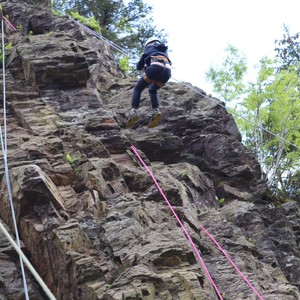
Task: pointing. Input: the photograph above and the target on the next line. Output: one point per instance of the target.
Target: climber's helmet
(152, 40)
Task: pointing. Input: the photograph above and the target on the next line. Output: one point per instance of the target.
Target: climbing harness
(177, 218)
(148, 80)
(120, 49)
(161, 61)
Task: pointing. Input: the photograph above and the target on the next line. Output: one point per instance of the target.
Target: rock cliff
(91, 219)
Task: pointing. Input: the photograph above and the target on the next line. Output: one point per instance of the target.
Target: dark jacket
(152, 50)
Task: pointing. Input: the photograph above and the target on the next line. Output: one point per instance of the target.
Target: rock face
(90, 217)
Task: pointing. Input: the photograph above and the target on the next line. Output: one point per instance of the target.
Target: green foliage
(56, 12)
(19, 27)
(90, 22)
(268, 112)
(227, 79)
(250, 241)
(70, 159)
(61, 5)
(221, 201)
(7, 48)
(224, 296)
(273, 104)
(124, 64)
(127, 23)
(288, 49)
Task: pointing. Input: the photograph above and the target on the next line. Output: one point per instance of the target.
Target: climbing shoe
(156, 118)
(132, 118)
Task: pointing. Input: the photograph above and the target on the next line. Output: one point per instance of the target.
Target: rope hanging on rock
(232, 263)
(11, 25)
(4, 151)
(196, 251)
(202, 228)
(27, 262)
(16, 245)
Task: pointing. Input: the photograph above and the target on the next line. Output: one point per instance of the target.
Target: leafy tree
(67, 5)
(268, 116)
(227, 79)
(283, 119)
(272, 105)
(254, 109)
(288, 49)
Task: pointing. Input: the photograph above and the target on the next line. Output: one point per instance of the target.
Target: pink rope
(11, 25)
(232, 263)
(181, 224)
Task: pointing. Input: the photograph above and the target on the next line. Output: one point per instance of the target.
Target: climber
(157, 67)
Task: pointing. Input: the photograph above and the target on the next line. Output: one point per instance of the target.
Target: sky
(199, 31)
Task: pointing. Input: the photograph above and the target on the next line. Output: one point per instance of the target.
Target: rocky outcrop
(91, 220)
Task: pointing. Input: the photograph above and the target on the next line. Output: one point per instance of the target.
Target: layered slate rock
(198, 130)
(91, 219)
(11, 282)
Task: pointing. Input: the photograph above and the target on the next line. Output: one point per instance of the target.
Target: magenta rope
(232, 263)
(181, 224)
(11, 25)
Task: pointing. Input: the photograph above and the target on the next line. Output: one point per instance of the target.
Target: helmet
(151, 40)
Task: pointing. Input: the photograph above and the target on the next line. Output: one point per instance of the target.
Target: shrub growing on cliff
(124, 64)
(90, 22)
(7, 47)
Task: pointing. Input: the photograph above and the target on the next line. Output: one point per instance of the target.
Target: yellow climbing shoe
(132, 118)
(156, 118)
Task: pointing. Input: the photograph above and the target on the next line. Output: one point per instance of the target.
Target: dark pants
(156, 76)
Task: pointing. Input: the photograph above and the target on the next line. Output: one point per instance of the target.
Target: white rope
(4, 150)
(27, 263)
(4, 88)
(101, 37)
(188, 86)
(242, 117)
(2, 228)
